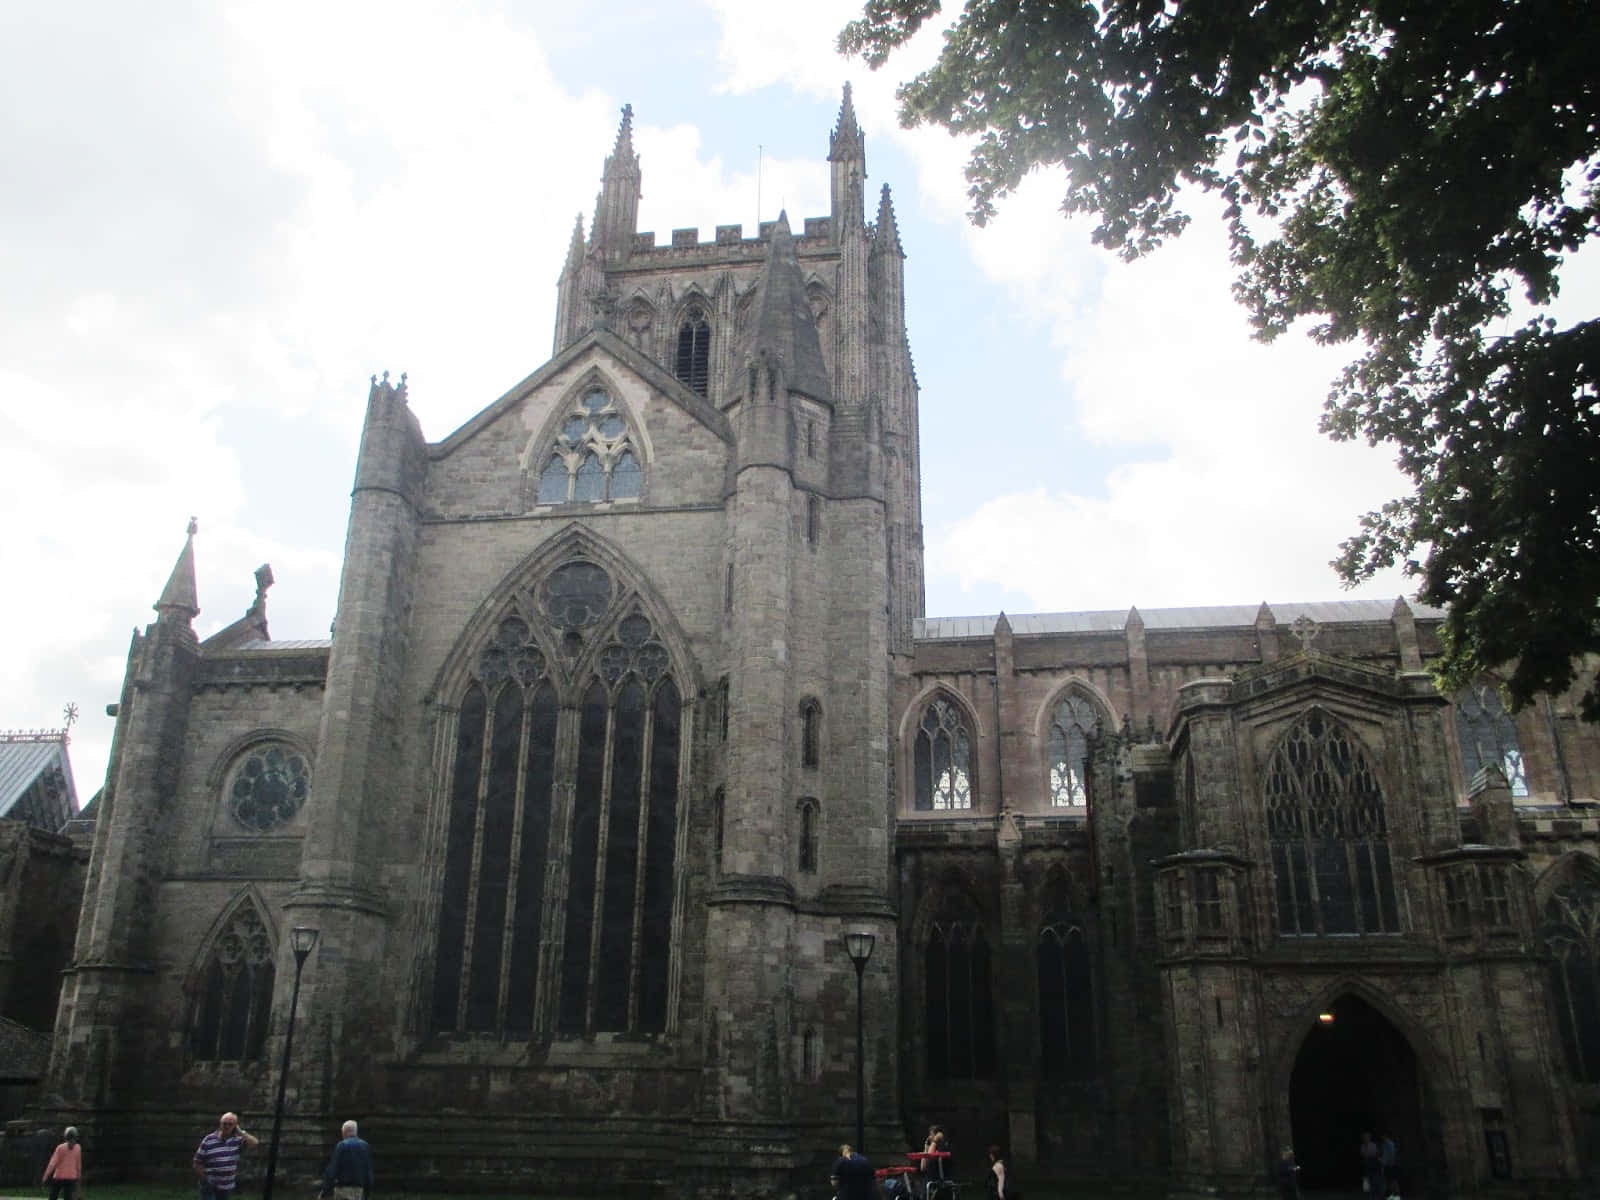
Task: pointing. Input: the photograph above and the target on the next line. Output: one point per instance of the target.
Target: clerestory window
(942, 759)
(561, 825)
(593, 458)
(1329, 835)
(1487, 735)
(1071, 726)
(693, 363)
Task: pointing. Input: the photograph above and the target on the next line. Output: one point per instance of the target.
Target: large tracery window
(1329, 835)
(1071, 727)
(593, 458)
(943, 758)
(692, 365)
(1488, 736)
(228, 1022)
(1066, 1001)
(544, 718)
(959, 1008)
(1570, 930)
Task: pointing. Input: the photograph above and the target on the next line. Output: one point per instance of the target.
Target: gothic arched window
(959, 1006)
(1328, 832)
(810, 733)
(693, 363)
(617, 742)
(1571, 932)
(942, 758)
(1066, 1001)
(1071, 726)
(1488, 736)
(593, 458)
(807, 856)
(228, 1022)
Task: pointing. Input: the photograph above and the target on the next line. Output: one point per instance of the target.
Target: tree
(1394, 171)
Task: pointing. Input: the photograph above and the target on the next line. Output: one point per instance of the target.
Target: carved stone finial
(1305, 631)
(194, 526)
(264, 580)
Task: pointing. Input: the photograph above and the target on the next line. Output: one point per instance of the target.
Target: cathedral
(631, 713)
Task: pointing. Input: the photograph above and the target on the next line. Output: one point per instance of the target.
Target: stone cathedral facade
(631, 711)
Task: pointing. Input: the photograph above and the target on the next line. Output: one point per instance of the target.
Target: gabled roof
(784, 326)
(626, 353)
(36, 779)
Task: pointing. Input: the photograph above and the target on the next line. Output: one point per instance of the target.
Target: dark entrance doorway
(1355, 1074)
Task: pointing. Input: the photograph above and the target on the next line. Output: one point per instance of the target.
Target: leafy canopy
(1394, 171)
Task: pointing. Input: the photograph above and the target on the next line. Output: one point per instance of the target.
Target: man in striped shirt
(216, 1162)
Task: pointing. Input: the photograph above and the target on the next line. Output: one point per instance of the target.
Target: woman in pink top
(66, 1167)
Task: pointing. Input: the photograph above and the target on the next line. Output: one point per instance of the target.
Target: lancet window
(233, 1000)
(1066, 1000)
(594, 457)
(1071, 726)
(1488, 736)
(810, 733)
(552, 919)
(958, 1005)
(1328, 833)
(942, 758)
(1570, 930)
(807, 810)
(692, 365)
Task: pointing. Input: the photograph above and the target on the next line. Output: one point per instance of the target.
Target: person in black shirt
(852, 1175)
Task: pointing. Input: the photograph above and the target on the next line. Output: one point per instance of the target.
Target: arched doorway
(1356, 1073)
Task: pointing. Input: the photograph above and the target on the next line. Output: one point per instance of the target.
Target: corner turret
(179, 604)
(847, 152)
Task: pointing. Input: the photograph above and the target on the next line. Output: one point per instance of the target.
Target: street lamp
(302, 940)
(858, 945)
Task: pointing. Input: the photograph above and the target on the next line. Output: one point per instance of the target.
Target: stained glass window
(269, 787)
(593, 458)
(1329, 834)
(1571, 933)
(228, 1022)
(943, 758)
(959, 1005)
(616, 891)
(1071, 727)
(1488, 736)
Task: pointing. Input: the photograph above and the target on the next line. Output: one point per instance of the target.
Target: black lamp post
(302, 939)
(858, 945)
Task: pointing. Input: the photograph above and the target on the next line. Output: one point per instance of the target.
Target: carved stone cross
(1305, 630)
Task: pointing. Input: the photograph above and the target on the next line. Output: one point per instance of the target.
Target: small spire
(1264, 616)
(178, 599)
(624, 133)
(1134, 621)
(846, 137)
(886, 234)
(575, 250)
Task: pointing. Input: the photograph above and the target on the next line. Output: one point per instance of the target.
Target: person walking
(216, 1162)
(1371, 1167)
(349, 1173)
(1389, 1154)
(65, 1169)
(1001, 1185)
(1288, 1175)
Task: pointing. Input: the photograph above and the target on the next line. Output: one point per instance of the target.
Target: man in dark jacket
(349, 1173)
(852, 1175)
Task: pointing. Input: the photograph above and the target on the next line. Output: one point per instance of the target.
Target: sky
(218, 220)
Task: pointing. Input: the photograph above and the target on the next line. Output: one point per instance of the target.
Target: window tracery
(1570, 931)
(268, 787)
(1071, 726)
(609, 911)
(1487, 735)
(234, 1003)
(1066, 1000)
(942, 758)
(1328, 833)
(692, 364)
(593, 458)
(959, 1005)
